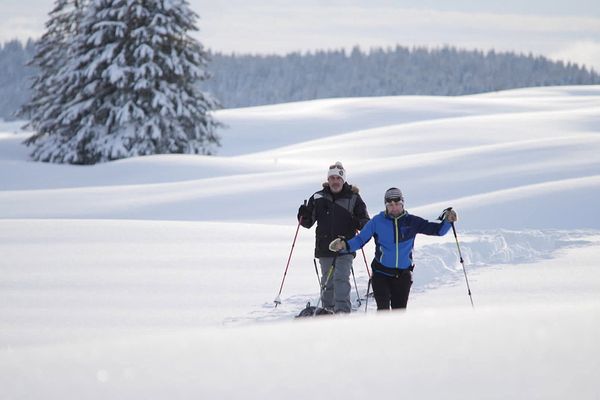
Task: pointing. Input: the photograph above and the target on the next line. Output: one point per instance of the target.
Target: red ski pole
(277, 300)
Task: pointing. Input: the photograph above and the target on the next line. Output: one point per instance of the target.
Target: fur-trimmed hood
(353, 188)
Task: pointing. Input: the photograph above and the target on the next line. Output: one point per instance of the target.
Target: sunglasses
(393, 200)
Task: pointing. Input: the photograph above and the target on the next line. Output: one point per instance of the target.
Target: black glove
(303, 212)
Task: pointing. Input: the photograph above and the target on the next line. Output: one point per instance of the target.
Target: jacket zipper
(332, 218)
(397, 239)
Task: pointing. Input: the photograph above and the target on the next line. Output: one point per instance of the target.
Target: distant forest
(241, 80)
(249, 80)
(15, 77)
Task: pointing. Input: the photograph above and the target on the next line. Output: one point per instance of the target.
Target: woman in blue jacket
(394, 230)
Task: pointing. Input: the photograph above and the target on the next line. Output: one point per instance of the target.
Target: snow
(155, 276)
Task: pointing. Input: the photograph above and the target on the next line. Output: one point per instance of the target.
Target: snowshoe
(312, 311)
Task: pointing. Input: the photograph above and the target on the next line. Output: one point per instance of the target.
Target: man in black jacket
(338, 211)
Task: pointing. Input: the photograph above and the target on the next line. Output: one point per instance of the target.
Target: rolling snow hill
(154, 277)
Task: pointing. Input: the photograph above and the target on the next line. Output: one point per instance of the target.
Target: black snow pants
(391, 290)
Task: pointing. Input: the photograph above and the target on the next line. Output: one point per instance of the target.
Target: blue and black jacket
(395, 239)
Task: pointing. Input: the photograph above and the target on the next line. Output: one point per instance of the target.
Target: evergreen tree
(130, 87)
(52, 53)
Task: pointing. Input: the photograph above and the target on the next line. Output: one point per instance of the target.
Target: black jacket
(336, 215)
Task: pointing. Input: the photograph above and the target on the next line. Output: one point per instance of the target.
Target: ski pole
(317, 272)
(366, 267)
(463, 264)
(367, 299)
(356, 287)
(277, 300)
(368, 271)
(324, 286)
(366, 263)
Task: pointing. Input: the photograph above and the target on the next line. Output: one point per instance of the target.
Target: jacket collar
(347, 189)
(404, 214)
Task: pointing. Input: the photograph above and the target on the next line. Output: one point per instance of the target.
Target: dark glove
(303, 212)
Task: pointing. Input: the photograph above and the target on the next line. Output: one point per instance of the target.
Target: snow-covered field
(155, 277)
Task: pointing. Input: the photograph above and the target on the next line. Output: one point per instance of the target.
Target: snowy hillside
(154, 277)
(534, 150)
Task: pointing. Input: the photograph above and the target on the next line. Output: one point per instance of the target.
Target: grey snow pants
(336, 295)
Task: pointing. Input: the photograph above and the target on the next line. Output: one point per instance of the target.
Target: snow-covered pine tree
(51, 53)
(131, 86)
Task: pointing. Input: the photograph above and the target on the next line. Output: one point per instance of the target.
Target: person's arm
(437, 228)
(357, 242)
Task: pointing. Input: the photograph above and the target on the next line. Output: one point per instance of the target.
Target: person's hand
(450, 216)
(303, 212)
(337, 245)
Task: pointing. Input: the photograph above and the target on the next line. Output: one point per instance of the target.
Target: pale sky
(566, 30)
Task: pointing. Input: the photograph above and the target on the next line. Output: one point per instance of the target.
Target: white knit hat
(337, 169)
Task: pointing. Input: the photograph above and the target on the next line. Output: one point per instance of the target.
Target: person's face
(335, 183)
(394, 207)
